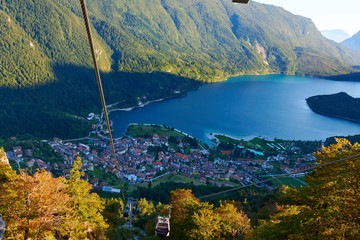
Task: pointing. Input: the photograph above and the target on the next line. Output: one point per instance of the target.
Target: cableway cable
(89, 35)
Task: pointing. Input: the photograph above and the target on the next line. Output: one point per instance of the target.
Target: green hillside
(144, 48)
(23, 62)
(202, 40)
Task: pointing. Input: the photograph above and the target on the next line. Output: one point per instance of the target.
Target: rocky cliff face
(2, 227)
(3, 157)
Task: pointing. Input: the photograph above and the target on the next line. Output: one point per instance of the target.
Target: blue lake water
(242, 106)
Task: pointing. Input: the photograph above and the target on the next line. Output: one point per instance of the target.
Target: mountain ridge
(142, 47)
(188, 38)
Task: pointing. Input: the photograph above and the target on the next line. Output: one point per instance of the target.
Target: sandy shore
(211, 136)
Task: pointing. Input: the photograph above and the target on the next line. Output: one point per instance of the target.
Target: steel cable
(88, 31)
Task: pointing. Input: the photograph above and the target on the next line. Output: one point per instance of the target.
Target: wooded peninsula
(339, 105)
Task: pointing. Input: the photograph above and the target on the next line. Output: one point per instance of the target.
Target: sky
(326, 14)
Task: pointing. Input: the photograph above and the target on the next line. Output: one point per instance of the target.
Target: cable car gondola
(162, 228)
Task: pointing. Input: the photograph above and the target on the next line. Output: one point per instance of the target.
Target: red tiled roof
(182, 156)
(226, 153)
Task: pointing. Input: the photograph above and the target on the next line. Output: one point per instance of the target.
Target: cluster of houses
(137, 162)
(286, 163)
(30, 161)
(18, 153)
(137, 165)
(290, 165)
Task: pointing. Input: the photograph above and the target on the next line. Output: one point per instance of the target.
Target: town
(230, 163)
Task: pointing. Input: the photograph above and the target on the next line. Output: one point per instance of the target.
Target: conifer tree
(146, 207)
(87, 219)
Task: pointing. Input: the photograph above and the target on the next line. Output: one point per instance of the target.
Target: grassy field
(150, 130)
(171, 178)
(257, 143)
(289, 181)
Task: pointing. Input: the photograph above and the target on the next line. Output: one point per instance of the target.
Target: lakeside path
(131, 108)
(179, 95)
(80, 139)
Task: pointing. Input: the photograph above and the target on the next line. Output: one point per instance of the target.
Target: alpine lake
(269, 106)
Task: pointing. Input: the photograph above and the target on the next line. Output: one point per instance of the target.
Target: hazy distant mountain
(353, 42)
(336, 35)
(45, 60)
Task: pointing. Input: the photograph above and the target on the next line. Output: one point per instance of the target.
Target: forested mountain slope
(45, 70)
(208, 40)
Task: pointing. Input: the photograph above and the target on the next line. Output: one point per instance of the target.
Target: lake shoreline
(128, 109)
(269, 107)
(216, 81)
(212, 136)
(132, 108)
(183, 95)
(159, 125)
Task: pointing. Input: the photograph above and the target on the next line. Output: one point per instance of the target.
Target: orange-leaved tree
(44, 207)
(328, 208)
(234, 223)
(33, 206)
(185, 205)
(206, 223)
(192, 219)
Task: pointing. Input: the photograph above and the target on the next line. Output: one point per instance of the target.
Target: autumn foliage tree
(181, 215)
(44, 207)
(192, 219)
(145, 207)
(33, 206)
(328, 208)
(234, 223)
(206, 224)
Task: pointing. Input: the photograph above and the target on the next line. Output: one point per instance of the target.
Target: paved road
(160, 176)
(79, 139)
